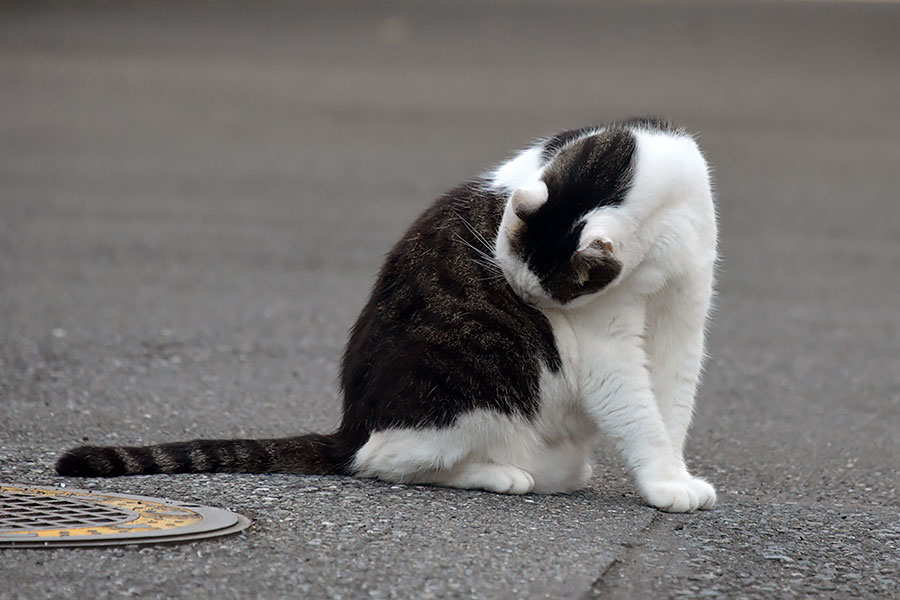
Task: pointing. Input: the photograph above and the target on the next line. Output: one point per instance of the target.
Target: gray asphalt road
(195, 199)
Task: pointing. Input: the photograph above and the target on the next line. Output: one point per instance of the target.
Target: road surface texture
(195, 199)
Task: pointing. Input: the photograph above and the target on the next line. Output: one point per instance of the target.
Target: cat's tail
(310, 454)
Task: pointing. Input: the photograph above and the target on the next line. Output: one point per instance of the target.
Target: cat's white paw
(502, 479)
(507, 479)
(684, 494)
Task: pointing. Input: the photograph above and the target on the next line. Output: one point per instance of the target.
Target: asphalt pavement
(195, 198)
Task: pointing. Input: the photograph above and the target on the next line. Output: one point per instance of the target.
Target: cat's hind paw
(680, 495)
(502, 479)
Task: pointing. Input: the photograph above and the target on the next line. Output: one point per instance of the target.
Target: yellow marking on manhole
(34, 517)
(148, 515)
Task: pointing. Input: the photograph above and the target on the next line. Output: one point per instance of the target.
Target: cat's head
(551, 245)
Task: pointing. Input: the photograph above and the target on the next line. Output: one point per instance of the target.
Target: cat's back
(442, 334)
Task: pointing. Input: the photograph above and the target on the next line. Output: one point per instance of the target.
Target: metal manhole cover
(32, 517)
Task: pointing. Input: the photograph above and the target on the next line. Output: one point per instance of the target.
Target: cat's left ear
(596, 247)
(527, 199)
(594, 264)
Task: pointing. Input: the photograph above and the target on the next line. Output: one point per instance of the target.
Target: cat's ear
(596, 247)
(529, 198)
(594, 264)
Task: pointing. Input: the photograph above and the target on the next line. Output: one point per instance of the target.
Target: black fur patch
(443, 333)
(649, 123)
(554, 144)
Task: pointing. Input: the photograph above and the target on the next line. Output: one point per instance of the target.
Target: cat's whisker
(491, 266)
(480, 238)
(493, 269)
(486, 257)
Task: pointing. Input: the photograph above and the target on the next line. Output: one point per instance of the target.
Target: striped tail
(309, 454)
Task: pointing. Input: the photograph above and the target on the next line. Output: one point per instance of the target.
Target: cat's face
(552, 245)
(547, 261)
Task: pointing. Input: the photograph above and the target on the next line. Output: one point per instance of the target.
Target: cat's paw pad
(507, 479)
(680, 495)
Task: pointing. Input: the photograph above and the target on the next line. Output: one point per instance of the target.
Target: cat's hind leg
(465, 455)
(500, 478)
(562, 467)
(409, 455)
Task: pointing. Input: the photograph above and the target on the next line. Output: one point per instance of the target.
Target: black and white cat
(565, 291)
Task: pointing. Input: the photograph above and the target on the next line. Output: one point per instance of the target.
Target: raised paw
(684, 494)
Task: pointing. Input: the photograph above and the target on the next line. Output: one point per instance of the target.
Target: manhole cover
(32, 517)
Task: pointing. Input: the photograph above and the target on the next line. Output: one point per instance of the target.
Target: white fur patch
(522, 169)
(520, 278)
(552, 449)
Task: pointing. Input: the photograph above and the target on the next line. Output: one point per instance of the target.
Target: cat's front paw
(684, 494)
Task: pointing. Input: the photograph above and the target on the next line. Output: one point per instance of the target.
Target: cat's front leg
(626, 410)
(675, 338)
(618, 393)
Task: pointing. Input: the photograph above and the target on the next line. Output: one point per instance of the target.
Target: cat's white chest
(586, 336)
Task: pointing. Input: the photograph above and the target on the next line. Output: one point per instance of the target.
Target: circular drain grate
(33, 517)
(30, 511)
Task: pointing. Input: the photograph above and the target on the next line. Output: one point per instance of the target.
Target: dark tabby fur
(442, 332)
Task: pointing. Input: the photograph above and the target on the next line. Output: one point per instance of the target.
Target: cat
(565, 291)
